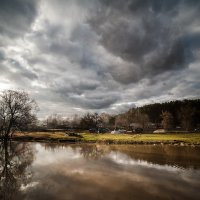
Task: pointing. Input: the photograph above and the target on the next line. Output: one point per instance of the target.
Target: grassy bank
(193, 138)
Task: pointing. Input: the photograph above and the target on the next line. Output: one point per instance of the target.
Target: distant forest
(182, 115)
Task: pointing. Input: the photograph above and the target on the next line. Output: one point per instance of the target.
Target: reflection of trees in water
(88, 151)
(93, 152)
(54, 146)
(15, 158)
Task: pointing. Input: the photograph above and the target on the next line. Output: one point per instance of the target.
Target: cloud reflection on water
(67, 172)
(60, 171)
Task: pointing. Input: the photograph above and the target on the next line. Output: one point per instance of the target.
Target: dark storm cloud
(20, 69)
(16, 16)
(78, 47)
(95, 101)
(148, 38)
(85, 94)
(100, 55)
(77, 87)
(16, 74)
(151, 35)
(2, 55)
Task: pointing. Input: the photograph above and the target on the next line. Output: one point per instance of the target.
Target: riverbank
(61, 137)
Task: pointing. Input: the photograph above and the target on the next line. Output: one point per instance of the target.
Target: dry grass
(192, 138)
(41, 134)
(189, 138)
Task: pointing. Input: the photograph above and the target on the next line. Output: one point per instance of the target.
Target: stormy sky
(75, 56)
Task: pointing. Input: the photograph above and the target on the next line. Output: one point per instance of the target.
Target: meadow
(170, 138)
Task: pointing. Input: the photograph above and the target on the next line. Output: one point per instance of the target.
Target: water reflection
(15, 159)
(177, 156)
(88, 151)
(53, 171)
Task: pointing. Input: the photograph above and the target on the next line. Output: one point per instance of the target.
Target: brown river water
(47, 171)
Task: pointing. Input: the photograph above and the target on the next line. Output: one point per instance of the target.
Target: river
(45, 171)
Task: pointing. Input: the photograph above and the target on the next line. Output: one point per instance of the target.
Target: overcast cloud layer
(75, 56)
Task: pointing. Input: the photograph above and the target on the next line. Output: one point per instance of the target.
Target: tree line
(18, 113)
(183, 115)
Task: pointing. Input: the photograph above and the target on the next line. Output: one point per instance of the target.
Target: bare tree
(75, 122)
(121, 121)
(53, 121)
(97, 120)
(90, 121)
(105, 119)
(137, 117)
(167, 120)
(17, 112)
(87, 121)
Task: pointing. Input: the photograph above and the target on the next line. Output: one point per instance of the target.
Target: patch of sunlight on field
(191, 138)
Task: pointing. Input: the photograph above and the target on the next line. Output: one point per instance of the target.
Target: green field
(189, 138)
